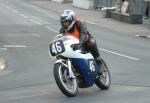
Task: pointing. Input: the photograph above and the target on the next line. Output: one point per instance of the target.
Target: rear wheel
(67, 85)
(103, 80)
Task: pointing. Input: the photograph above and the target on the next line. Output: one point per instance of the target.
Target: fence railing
(135, 6)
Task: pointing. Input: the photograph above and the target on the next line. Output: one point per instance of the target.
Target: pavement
(95, 17)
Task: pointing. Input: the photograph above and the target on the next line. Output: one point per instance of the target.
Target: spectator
(146, 13)
(124, 6)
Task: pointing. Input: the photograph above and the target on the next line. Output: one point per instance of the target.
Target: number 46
(56, 47)
(92, 67)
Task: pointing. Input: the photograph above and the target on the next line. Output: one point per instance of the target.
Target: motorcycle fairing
(87, 70)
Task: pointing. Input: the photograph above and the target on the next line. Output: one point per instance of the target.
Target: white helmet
(67, 16)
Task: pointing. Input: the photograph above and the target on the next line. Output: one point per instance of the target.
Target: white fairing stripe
(74, 54)
(68, 41)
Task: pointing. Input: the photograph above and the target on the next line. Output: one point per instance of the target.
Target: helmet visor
(65, 22)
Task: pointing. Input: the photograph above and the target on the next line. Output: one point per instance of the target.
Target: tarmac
(94, 17)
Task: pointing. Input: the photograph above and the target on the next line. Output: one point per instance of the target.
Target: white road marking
(23, 35)
(88, 22)
(34, 21)
(8, 7)
(52, 29)
(29, 96)
(33, 17)
(15, 11)
(6, 72)
(3, 48)
(126, 56)
(24, 16)
(14, 46)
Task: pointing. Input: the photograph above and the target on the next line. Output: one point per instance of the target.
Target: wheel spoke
(69, 84)
(105, 76)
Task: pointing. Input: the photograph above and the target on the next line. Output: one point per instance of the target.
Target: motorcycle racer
(72, 25)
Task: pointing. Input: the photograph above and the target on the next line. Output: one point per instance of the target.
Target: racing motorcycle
(76, 68)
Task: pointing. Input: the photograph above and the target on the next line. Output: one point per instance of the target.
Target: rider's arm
(83, 33)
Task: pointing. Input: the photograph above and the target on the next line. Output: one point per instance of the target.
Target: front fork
(67, 65)
(71, 74)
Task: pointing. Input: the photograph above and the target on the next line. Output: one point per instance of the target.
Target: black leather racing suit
(88, 45)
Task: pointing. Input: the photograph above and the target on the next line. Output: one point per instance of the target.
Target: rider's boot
(98, 60)
(92, 47)
(96, 54)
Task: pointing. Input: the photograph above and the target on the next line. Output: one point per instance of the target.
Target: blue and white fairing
(88, 68)
(84, 61)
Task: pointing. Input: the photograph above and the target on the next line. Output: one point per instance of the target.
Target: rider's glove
(75, 47)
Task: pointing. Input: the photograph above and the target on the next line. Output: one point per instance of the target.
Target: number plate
(92, 65)
(57, 48)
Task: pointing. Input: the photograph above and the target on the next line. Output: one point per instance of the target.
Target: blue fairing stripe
(88, 76)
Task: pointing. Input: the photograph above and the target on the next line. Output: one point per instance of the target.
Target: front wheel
(103, 80)
(67, 85)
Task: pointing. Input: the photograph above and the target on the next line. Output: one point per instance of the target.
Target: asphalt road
(25, 33)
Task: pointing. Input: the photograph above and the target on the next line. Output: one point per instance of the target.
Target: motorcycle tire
(103, 81)
(63, 81)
